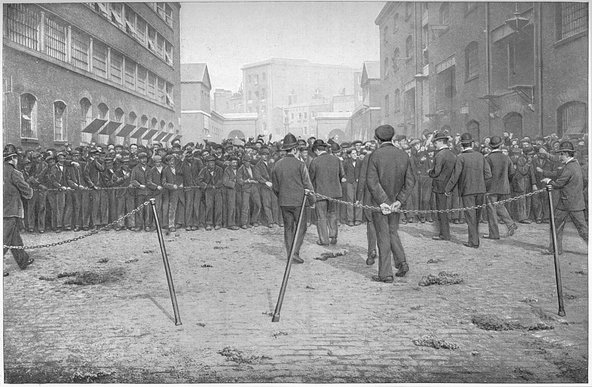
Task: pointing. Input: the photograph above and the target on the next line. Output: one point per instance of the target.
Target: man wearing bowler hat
(15, 188)
(290, 182)
(444, 161)
(570, 184)
(470, 172)
(390, 182)
(498, 188)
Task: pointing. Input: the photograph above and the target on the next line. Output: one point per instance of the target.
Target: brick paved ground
(336, 324)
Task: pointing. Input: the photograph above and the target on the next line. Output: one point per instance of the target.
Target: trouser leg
(441, 200)
(246, 206)
(266, 203)
(231, 207)
(381, 225)
(396, 245)
(218, 205)
(471, 217)
(256, 202)
(322, 227)
(492, 216)
(332, 224)
(370, 233)
(12, 237)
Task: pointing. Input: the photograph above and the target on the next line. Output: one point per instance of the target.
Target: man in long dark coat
(390, 182)
(444, 161)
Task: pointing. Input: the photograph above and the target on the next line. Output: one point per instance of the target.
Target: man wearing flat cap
(470, 172)
(290, 182)
(245, 178)
(326, 175)
(139, 181)
(210, 180)
(390, 182)
(570, 184)
(15, 188)
(262, 173)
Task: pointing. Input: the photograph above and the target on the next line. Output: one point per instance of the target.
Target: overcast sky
(228, 35)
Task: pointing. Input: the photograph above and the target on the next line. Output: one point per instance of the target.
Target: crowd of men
(211, 185)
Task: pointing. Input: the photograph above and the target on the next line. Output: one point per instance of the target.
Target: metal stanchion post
(165, 260)
(278, 307)
(555, 255)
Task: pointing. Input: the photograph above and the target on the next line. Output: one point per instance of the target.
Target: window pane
(28, 116)
(130, 74)
(161, 91)
(80, 47)
(116, 66)
(574, 19)
(141, 30)
(22, 24)
(151, 86)
(55, 38)
(141, 80)
(100, 59)
(59, 109)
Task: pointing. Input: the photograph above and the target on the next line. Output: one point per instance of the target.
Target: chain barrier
(449, 210)
(91, 232)
(80, 189)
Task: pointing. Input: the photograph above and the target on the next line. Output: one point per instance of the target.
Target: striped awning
(150, 134)
(160, 136)
(167, 137)
(138, 133)
(110, 127)
(126, 130)
(177, 137)
(94, 126)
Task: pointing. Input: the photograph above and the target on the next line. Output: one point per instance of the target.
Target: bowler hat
(440, 136)
(289, 142)
(566, 146)
(356, 142)
(9, 154)
(495, 142)
(466, 138)
(319, 144)
(384, 132)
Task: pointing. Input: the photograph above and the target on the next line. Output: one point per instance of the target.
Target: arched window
(171, 127)
(86, 117)
(144, 121)
(28, 116)
(396, 59)
(471, 60)
(473, 128)
(444, 14)
(153, 123)
(572, 118)
(131, 118)
(409, 47)
(386, 67)
(397, 100)
(59, 121)
(103, 112)
(119, 115)
(513, 124)
(162, 125)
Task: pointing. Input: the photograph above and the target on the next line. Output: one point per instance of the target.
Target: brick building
(105, 72)
(274, 84)
(480, 67)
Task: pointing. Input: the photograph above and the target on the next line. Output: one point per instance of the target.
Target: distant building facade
(480, 67)
(104, 72)
(279, 83)
(332, 125)
(367, 115)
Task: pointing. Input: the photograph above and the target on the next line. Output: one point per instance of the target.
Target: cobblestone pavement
(336, 324)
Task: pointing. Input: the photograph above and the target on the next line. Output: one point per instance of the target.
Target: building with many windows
(272, 85)
(81, 72)
(484, 68)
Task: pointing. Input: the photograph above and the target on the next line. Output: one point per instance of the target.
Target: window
(171, 128)
(168, 54)
(397, 100)
(571, 118)
(409, 47)
(169, 95)
(385, 34)
(116, 67)
(141, 27)
(160, 9)
(571, 19)
(160, 46)
(22, 25)
(445, 14)
(151, 38)
(116, 10)
(396, 59)
(153, 123)
(59, 121)
(162, 125)
(168, 15)
(99, 59)
(471, 60)
(449, 82)
(161, 91)
(130, 74)
(141, 86)
(151, 90)
(28, 116)
(473, 128)
(55, 38)
(386, 105)
(425, 41)
(513, 124)
(119, 115)
(386, 70)
(103, 112)
(86, 110)
(80, 49)
(130, 21)
(395, 23)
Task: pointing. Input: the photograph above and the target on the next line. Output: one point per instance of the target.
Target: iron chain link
(91, 232)
(449, 210)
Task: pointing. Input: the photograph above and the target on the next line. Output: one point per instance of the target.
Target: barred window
(99, 59)
(572, 118)
(22, 25)
(471, 60)
(28, 116)
(59, 121)
(55, 38)
(142, 74)
(116, 67)
(130, 74)
(572, 18)
(161, 91)
(151, 91)
(80, 49)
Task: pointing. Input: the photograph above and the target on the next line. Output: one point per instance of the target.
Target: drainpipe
(538, 63)
(488, 65)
